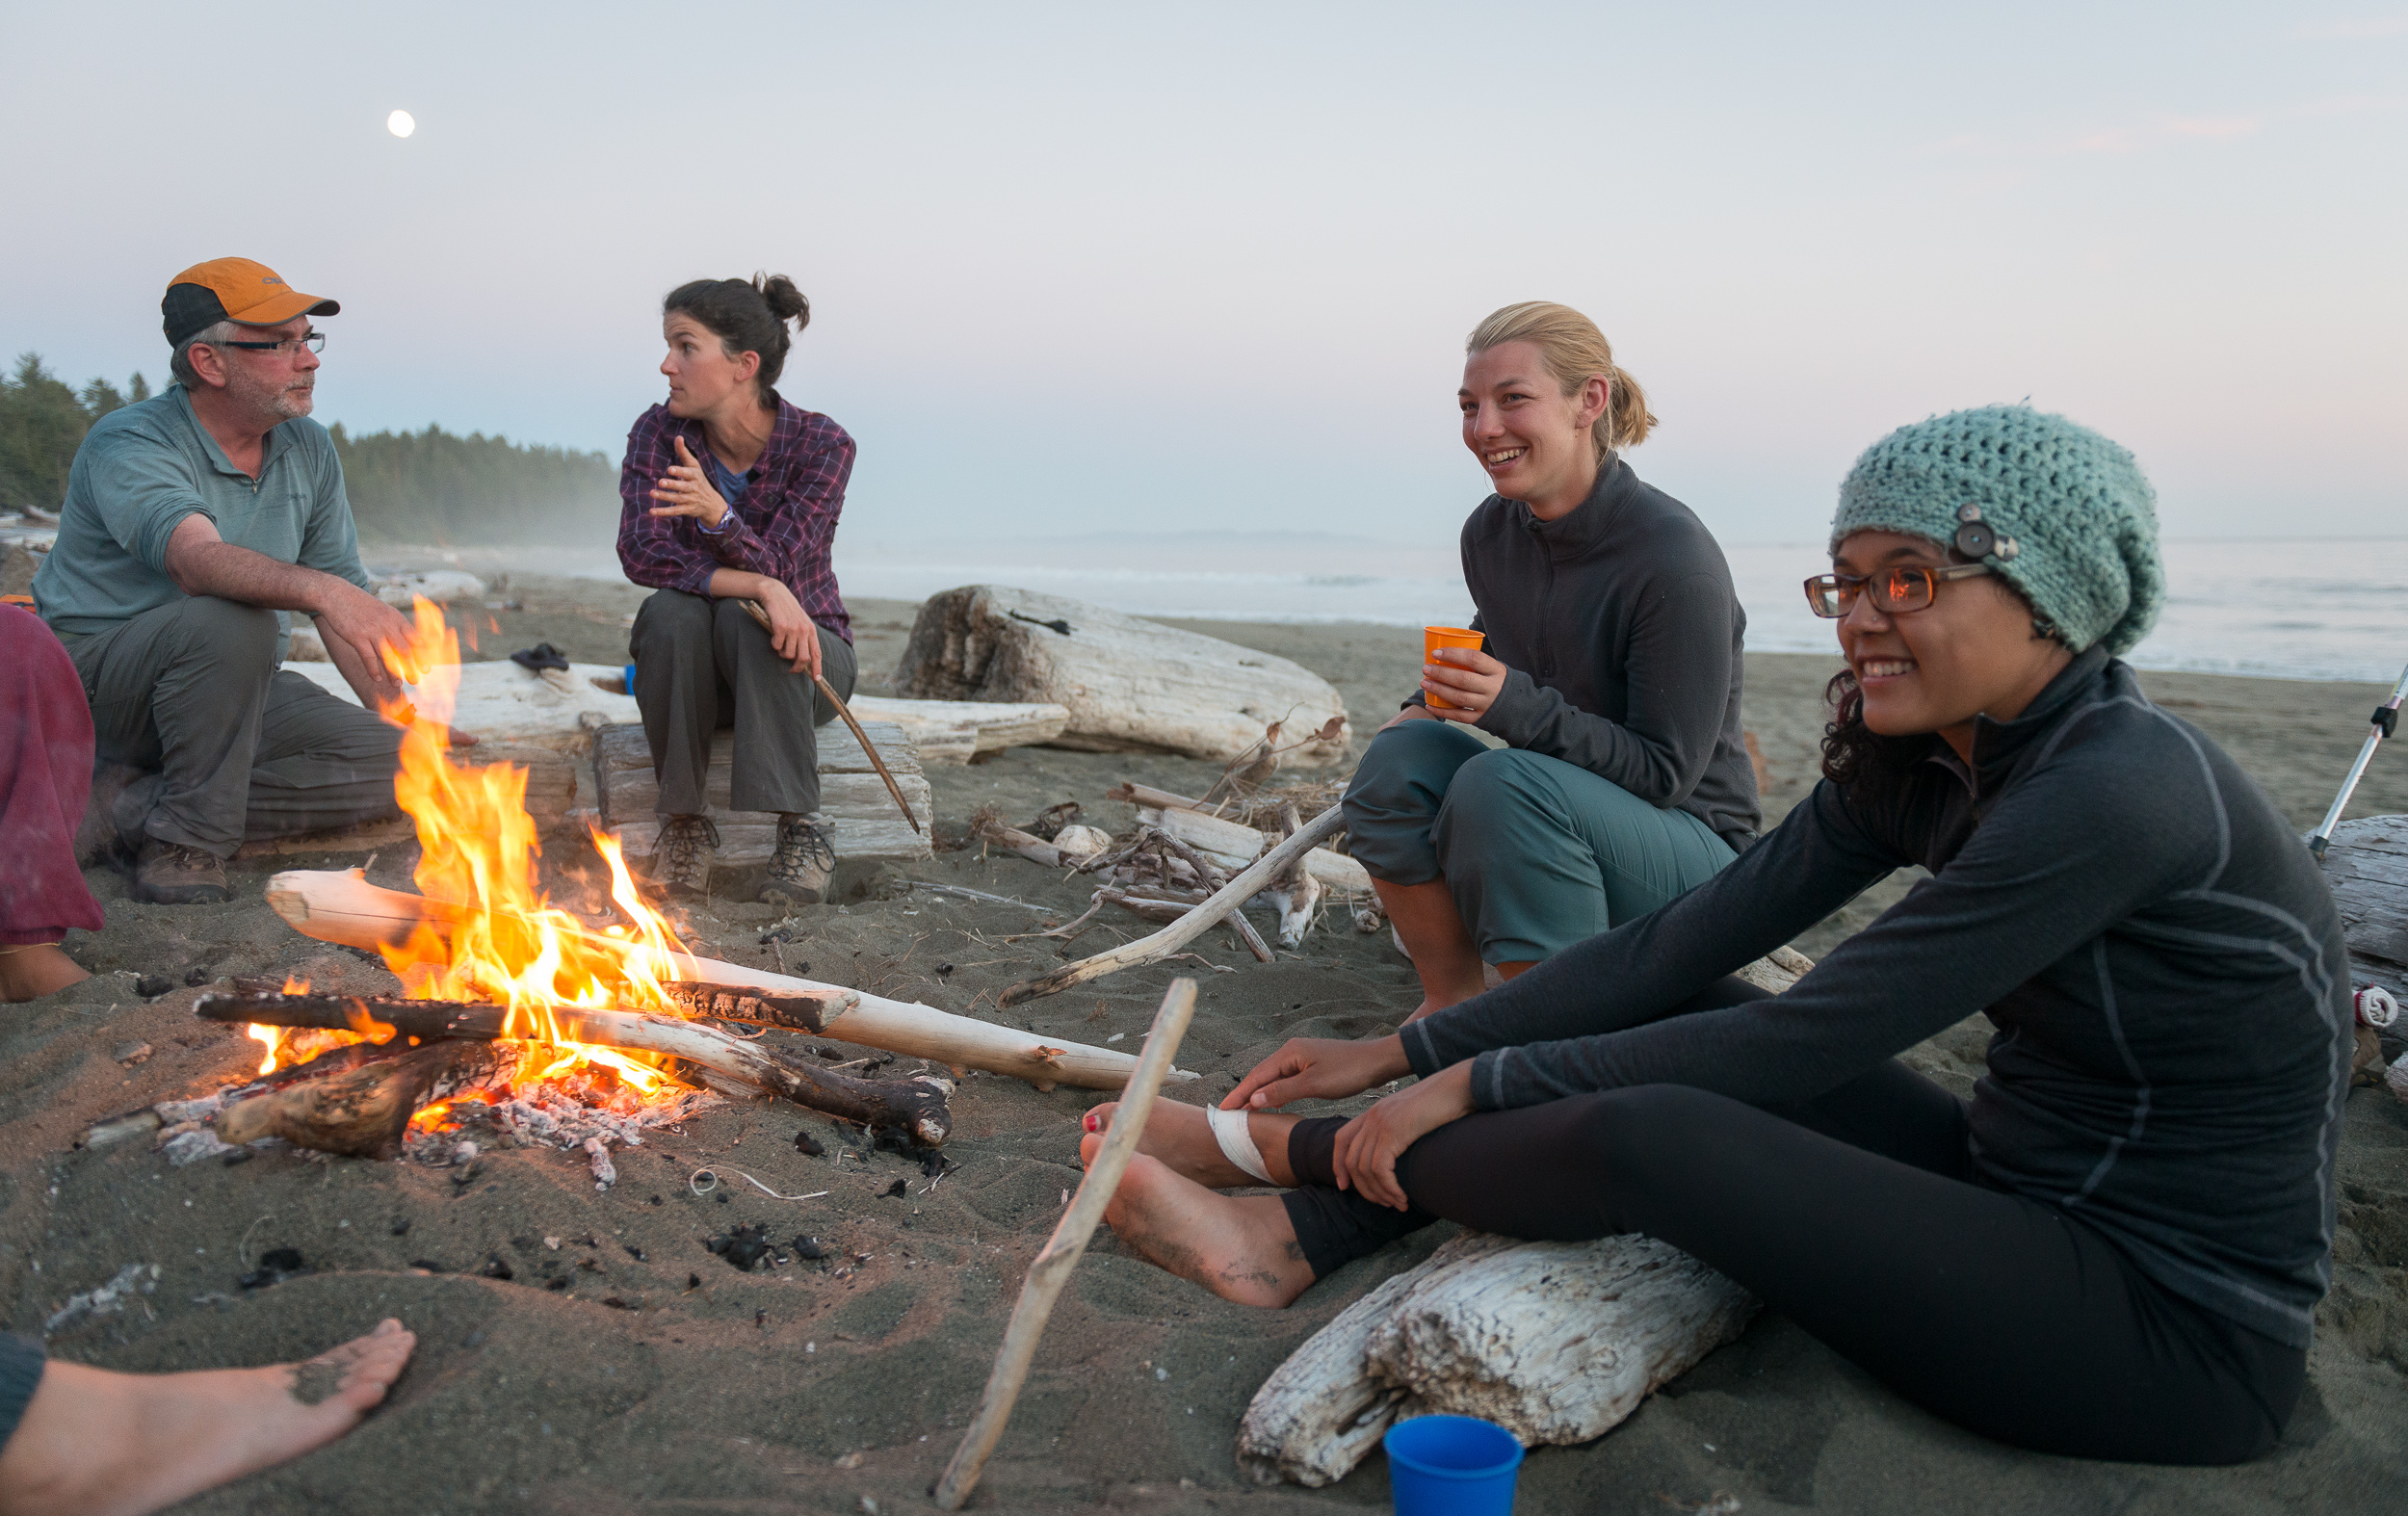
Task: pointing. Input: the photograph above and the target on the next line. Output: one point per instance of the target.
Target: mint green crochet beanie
(2072, 521)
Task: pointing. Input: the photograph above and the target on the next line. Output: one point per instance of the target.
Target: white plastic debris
(107, 1301)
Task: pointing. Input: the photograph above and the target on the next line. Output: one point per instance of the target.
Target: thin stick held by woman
(731, 493)
(1610, 670)
(2115, 1248)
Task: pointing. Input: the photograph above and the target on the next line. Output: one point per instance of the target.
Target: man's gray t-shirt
(143, 469)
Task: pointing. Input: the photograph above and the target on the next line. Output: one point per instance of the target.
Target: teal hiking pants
(1538, 852)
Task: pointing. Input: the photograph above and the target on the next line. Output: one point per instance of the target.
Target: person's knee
(1405, 768)
(1642, 1130)
(671, 617)
(228, 633)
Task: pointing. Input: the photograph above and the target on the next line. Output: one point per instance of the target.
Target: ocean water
(2291, 608)
(2295, 609)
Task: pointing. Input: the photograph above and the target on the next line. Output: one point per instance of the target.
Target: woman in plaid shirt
(728, 494)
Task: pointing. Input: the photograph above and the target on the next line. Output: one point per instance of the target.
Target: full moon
(401, 123)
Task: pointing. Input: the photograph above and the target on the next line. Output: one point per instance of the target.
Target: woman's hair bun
(786, 303)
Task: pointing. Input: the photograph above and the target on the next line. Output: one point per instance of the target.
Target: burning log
(915, 1105)
(363, 1112)
(342, 907)
(1175, 937)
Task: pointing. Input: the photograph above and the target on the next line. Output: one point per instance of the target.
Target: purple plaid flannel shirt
(785, 527)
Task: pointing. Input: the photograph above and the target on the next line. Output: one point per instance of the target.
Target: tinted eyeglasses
(1895, 592)
(315, 341)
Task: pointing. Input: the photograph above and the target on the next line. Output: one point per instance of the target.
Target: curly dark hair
(1859, 759)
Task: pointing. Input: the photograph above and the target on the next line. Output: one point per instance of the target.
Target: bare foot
(36, 970)
(1181, 1136)
(95, 1443)
(1241, 1247)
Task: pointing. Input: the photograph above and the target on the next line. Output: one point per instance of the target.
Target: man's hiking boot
(681, 860)
(806, 856)
(170, 874)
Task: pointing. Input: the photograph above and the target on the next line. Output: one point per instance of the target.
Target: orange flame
(478, 849)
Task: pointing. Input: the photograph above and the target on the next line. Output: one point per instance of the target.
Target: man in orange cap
(195, 522)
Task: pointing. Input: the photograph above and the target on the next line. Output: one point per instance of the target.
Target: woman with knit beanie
(2115, 1248)
(1610, 669)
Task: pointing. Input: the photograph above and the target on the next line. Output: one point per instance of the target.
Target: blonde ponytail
(1574, 351)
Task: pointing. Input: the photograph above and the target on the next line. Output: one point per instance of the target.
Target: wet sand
(657, 1377)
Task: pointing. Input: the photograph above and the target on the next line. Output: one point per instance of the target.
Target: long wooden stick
(845, 710)
(1063, 1250)
(340, 905)
(1175, 937)
(917, 1105)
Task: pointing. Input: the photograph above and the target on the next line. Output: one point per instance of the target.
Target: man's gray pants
(234, 749)
(704, 665)
(1538, 853)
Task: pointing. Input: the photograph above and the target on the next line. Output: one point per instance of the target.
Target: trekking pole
(2386, 723)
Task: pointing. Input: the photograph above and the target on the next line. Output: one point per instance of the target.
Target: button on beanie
(2076, 507)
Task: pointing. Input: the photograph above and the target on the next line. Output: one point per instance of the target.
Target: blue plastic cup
(1451, 1466)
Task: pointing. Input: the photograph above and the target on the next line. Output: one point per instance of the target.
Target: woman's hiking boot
(805, 857)
(170, 874)
(681, 860)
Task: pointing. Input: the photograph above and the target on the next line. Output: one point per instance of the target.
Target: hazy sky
(1178, 266)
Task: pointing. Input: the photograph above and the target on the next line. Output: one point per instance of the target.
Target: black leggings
(1853, 1215)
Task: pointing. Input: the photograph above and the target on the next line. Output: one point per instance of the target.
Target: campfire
(519, 1023)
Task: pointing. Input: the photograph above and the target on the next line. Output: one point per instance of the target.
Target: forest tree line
(431, 486)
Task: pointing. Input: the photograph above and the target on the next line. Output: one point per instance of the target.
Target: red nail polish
(1088, 1121)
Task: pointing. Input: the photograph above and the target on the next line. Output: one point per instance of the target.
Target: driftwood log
(2366, 864)
(1554, 1341)
(342, 907)
(860, 813)
(501, 702)
(953, 732)
(1129, 685)
(363, 1112)
(917, 1105)
(1063, 1250)
(1233, 844)
(1174, 938)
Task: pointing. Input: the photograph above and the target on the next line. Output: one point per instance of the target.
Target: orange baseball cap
(234, 289)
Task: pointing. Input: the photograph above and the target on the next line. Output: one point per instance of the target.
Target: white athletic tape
(2376, 1008)
(1231, 1131)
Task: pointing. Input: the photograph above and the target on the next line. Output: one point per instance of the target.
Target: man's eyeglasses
(1894, 590)
(315, 341)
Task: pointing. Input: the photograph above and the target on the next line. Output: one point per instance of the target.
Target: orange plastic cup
(1434, 637)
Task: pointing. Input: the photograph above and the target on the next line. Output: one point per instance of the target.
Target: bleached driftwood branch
(1064, 1249)
(1175, 937)
(1554, 1341)
(343, 906)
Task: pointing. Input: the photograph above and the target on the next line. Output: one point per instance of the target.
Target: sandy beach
(659, 1378)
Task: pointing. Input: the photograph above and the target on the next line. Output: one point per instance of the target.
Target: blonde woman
(1610, 670)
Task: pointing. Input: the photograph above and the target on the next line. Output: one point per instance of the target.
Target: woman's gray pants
(1538, 852)
(703, 666)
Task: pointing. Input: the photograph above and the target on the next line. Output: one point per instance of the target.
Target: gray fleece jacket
(1622, 631)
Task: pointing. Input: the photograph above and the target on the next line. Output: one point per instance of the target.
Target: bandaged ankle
(1231, 1130)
